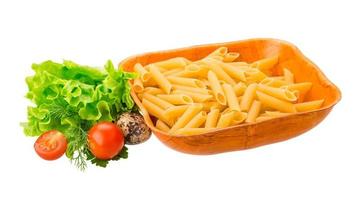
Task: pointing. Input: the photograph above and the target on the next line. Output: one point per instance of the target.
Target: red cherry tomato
(105, 140)
(51, 145)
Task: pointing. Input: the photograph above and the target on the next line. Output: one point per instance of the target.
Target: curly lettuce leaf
(71, 98)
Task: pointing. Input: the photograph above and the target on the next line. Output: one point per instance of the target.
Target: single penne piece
(280, 93)
(253, 111)
(300, 89)
(239, 88)
(143, 73)
(156, 111)
(176, 99)
(207, 106)
(273, 82)
(263, 118)
(216, 88)
(248, 97)
(254, 76)
(191, 89)
(197, 121)
(231, 97)
(190, 112)
(192, 82)
(225, 120)
(175, 112)
(172, 71)
(275, 103)
(275, 113)
(153, 90)
(218, 53)
(212, 118)
(265, 64)
(160, 79)
(138, 86)
(233, 71)
(150, 83)
(231, 56)
(288, 76)
(157, 101)
(309, 105)
(192, 131)
(178, 62)
(161, 126)
(196, 97)
(239, 117)
(213, 65)
(202, 73)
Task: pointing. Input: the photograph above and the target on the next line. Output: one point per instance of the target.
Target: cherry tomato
(51, 145)
(105, 140)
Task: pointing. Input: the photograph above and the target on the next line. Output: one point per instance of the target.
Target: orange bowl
(248, 135)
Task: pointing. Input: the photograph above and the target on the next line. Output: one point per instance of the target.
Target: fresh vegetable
(134, 128)
(72, 98)
(51, 145)
(105, 140)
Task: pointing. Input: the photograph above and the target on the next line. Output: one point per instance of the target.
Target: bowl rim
(323, 77)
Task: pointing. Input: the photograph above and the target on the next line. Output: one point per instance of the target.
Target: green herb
(71, 98)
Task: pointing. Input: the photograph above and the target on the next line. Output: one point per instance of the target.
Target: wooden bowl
(248, 135)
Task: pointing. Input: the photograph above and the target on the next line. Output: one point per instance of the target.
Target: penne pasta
(219, 53)
(263, 118)
(138, 86)
(157, 101)
(280, 93)
(153, 90)
(231, 56)
(248, 97)
(175, 112)
(212, 118)
(176, 99)
(172, 63)
(254, 76)
(160, 79)
(162, 126)
(288, 76)
(196, 97)
(309, 106)
(273, 82)
(275, 114)
(143, 73)
(216, 88)
(226, 118)
(254, 111)
(231, 97)
(190, 112)
(156, 111)
(191, 89)
(234, 72)
(191, 82)
(173, 71)
(197, 121)
(212, 65)
(239, 88)
(275, 103)
(266, 64)
(207, 106)
(239, 117)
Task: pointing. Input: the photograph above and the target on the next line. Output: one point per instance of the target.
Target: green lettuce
(71, 98)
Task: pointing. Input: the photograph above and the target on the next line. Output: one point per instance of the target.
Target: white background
(321, 164)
